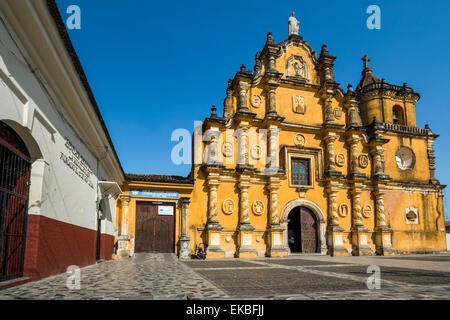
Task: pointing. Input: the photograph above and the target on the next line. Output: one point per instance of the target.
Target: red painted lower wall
(53, 245)
(106, 246)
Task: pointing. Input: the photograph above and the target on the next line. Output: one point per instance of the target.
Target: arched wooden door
(302, 230)
(14, 188)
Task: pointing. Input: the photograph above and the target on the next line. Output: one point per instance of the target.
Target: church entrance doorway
(302, 230)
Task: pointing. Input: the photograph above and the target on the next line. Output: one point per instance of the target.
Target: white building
(59, 172)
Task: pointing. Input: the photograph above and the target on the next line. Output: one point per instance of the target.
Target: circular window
(405, 158)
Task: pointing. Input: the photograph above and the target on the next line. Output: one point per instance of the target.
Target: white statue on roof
(293, 24)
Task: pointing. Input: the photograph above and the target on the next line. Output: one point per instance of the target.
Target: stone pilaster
(246, 249)
(212, 136)
(334, 231)
(353, 142)
(228, 102)
(331, 171)
(276, 246)
(123, 242)
(360, 234)
(272, 110)
(213, 227)
(383, 234)
(185, 251)
(329, 115)
(273, 164)
(243, 150)
(430, 153)
(243, 88)
(213, 216)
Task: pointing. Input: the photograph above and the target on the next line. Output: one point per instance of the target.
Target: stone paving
(163, 276)
(144, 276)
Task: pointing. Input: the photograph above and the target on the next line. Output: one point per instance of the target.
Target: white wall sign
(165, 211)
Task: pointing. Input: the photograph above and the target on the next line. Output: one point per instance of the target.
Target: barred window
(300, 172)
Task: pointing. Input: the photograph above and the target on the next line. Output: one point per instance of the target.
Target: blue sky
(158, 66)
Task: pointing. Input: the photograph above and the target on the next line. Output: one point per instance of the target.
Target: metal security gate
(14, 187)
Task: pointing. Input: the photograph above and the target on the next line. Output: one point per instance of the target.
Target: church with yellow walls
(295, 164)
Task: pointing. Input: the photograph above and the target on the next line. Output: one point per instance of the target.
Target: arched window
(397, 115)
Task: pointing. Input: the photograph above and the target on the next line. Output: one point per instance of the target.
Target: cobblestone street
(163, 276)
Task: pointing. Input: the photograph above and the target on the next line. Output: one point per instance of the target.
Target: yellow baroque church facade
(295, 164)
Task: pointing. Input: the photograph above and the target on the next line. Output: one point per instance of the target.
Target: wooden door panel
(154, 233)
(308, 229)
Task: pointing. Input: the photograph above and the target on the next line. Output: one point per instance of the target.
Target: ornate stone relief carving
(256, 101)
(227, 149)
(363, 161)
(299, 140)
(296, 67)
(367, 211)
(228, 238)
(298, 104)
(258, 207)
(338, 113)
(256, 152)
(343, 210)
(340, 159)
(412, 215)
(405, 158)
(228, 206)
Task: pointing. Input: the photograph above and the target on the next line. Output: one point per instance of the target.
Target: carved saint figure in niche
(299, 69)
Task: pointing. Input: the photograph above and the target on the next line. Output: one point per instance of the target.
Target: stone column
(212, 135)
(272, 110)
(276, 246)
(353, 141)
(333, 219)
(334, 231)
(329, 140)
(380, 217)
(243, 159)
(246, 249)
(357, 218)
(244, 216)
(243, 87)
(123, 243)
(360, 234)
(228, 103)
(213, 216)
(377, 153)
(329, 115)
(273, 164)
(213, 227)
(185, 251)
(383, 234)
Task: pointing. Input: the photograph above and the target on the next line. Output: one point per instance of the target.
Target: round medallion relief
(299, 140)
(258, 207)
(227, 149)
(256, 101)
(228, 206)
(367, 211)
(256, 151)
(363, 161)
(343, 210)
(340, 159)
(405, 158)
